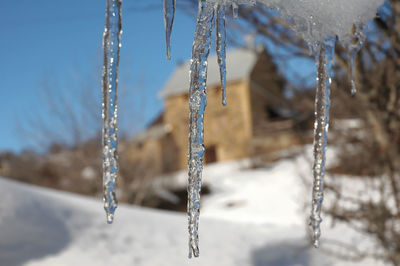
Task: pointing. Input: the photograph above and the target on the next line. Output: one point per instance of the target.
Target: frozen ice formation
(320, 23)
(197, 105)
(324, 56)
(169, 14)
(111, 47)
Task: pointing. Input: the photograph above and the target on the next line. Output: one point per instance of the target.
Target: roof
(153, 132)
(239, 64)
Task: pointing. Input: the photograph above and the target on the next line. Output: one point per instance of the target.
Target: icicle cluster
(111, 46)
(315, 21)
(208, 14)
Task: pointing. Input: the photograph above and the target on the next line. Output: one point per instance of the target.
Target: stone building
(256, 120)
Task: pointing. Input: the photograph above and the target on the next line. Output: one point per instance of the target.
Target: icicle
(221, 46)
(169, 13)
(111, 46)
(197, 104)
(235, 10)
(324, 54)
(353, 49)
(352, 75)
(311, 44)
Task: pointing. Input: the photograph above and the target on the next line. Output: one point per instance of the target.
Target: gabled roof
(239, 64)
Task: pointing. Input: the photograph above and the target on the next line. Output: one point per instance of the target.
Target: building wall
(267, 87)
(146, 154)
(227, 129)
(241, 129)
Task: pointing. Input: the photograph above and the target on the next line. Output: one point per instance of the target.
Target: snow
(251, 217)
(44, 227)
(315, 20)
(240, 63)
(237, 191)
(348, 124)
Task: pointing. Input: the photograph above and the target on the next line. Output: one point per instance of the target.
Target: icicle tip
(353, 88)
(168, 53)
(169, 14)
(194, 252)
(316, 243)
(110, 218)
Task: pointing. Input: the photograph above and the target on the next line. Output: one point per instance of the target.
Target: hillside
(252, 217)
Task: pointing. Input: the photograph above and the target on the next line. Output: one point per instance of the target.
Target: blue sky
(47, 38)
(60, 42)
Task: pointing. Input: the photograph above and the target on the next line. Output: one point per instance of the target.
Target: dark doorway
(211, 154)
(271, 113)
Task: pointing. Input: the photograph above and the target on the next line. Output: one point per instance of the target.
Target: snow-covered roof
(239, 64)
(156, 131)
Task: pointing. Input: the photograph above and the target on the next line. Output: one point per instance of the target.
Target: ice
(324, 55)
(321, 23)
(197, 105)
(353, 49)
(210, 13)
(169, 13)
(111, 46)
(221, 46)
(235, 10)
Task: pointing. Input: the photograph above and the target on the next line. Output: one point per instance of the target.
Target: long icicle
(111, 46)
(169, 14)
(323, 55)
(221, 47)
(197, 105)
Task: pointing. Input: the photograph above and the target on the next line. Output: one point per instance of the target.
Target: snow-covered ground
(251, 217)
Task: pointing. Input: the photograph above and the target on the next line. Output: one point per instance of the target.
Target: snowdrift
(264, 226)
